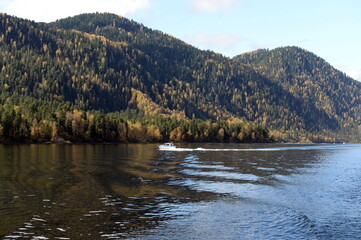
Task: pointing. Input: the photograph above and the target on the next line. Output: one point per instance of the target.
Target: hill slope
(109, 63)
(310, 78)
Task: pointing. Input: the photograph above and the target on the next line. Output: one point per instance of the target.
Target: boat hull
(166, 147)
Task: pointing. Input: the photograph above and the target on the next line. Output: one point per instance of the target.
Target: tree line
(127, 126)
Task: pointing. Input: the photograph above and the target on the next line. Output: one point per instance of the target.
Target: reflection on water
(136, 191)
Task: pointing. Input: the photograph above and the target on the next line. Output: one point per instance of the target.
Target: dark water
(138, 192)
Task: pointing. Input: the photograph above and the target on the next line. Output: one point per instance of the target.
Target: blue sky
(329, 28)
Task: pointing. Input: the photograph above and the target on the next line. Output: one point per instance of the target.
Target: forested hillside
(75, 74)
(308, 77)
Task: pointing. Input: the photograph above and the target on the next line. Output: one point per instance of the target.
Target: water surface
(138, 192)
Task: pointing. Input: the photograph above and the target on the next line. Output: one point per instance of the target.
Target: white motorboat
(167, 146)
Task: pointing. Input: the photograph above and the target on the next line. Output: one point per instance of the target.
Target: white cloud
(50, 10)
(212, 5)
(215, 42)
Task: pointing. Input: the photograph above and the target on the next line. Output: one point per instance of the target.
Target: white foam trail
(248, 149)
(220, 149)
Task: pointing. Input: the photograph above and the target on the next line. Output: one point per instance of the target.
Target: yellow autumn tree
(176, 135)
(154, 134)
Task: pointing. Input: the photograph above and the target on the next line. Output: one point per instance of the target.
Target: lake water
(138, 192)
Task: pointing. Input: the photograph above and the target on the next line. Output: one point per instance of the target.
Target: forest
(127, 126)
(104, 78)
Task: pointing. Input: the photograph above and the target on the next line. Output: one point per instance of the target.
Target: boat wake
(302, 148)
(221, 149)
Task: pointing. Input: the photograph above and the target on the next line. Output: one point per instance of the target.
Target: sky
(328, 28)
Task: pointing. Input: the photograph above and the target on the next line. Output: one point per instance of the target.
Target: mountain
(310, 78)
(107, 63)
